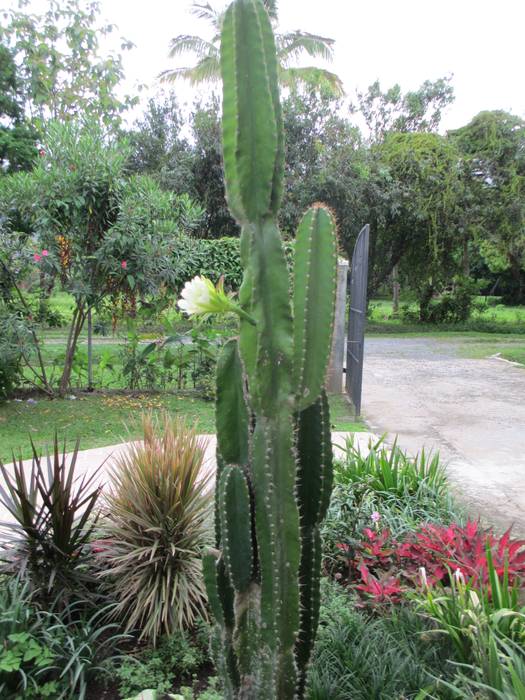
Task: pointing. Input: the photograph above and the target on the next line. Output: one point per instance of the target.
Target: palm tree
(289, 47)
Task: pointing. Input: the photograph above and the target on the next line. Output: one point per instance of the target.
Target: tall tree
(289, 47)
(61, 70)
(393, 110)
(17, 137)
(493, 148)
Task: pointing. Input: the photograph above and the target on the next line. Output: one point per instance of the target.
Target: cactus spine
(273, 430)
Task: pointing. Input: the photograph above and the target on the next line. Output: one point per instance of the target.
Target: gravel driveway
(472, 411)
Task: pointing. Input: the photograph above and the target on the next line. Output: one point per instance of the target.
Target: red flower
(124, 264)
(37, 257)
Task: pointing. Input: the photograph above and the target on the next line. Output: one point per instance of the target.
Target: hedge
(213, 258)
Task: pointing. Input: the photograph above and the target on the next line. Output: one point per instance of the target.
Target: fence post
(334, 381)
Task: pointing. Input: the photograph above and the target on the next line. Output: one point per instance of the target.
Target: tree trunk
(396, 288)
(465, 257)
(77, 323)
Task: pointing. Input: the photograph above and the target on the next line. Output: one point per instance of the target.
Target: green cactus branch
(273, 429)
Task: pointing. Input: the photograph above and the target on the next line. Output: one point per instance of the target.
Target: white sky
(404, 41)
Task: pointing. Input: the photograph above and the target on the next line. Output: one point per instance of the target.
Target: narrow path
(472, 411)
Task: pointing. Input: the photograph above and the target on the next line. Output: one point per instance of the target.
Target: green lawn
(106, 419)
(494, 318)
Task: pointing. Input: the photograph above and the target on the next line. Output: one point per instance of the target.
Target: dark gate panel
(357, 319)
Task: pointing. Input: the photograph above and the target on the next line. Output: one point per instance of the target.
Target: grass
(97, 419)
(493, 318)
(106, 419)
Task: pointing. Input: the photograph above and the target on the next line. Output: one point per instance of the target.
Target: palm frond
(188, 42)
(207, 12)
(293, 44)
(206, 70)
(312, 78)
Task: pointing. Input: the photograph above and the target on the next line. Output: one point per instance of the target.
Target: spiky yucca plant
(156, 524)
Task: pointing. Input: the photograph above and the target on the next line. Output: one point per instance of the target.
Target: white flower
(201, 296)
(458, 575)
(196, 296)
(423, 576)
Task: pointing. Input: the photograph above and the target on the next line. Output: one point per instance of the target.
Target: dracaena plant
(51, 519)
(274, 456)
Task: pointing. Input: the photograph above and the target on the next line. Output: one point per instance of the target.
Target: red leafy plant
(382, 568)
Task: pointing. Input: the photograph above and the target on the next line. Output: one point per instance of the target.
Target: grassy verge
(490, 319)
(107, 419)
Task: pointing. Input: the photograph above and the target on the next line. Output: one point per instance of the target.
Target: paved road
(473, 411)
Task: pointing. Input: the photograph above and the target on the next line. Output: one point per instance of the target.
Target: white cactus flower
(200, 296)
(197, 296)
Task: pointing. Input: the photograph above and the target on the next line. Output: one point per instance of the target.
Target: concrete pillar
(334, 379)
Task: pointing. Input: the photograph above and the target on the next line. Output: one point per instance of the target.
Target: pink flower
(124, 264)
(41, 152)
(376, 517)
(37, 257)
(45, 253)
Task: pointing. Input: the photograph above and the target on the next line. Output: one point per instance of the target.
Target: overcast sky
(405, 41)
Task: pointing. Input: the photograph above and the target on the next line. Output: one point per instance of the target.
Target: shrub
(390, 470)
(54, 518)
(176, 658)
(382, 568)
(14, 341)
(452, 306)
(156, 526)
(358, 656)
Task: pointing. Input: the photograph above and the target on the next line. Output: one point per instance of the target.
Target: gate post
(334, 380)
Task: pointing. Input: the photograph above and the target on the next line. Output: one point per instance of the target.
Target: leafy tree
(17, 137)
(493, 148)
(289, 47)
(157, 145)
(103, 235)
(61, 72)
(418, 110)
(420, 231)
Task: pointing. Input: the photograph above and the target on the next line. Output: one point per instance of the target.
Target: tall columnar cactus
(274, 452)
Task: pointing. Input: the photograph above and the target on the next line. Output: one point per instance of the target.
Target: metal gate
(357, 319)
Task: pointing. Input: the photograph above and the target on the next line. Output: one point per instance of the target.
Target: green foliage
(452, 306)
(392, 110)
(105, 236)
(17, 137)
(49, 654)
(14, 342)
(274, 448)
(175, 658)
(54, 518)
(63, 74)
(494, 163)
(358, 657)
(155, 527)
(210, 258)
(389, 471)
